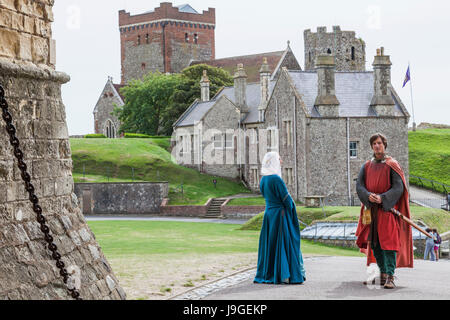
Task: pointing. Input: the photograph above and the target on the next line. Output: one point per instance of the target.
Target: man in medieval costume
(382, 236)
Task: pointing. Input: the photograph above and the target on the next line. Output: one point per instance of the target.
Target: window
(353, 53)
(218, 141)
(139, 40)
(228, 140)
(272, 142)
(195, 38)
(329, 51)
(143, 65)
(186, 38)
(288, 174)
(255, 177)
(181, 145)
(353, 149)
(147, 38)
(288, 133)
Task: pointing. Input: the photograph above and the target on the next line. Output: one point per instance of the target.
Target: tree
(152, 105)
(189, 89)
(145, 102)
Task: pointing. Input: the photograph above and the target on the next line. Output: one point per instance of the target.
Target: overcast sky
(88, 43)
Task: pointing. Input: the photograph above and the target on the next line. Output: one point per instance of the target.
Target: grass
(429, 156)
(434, 218)
(113, 160)
(122, 239)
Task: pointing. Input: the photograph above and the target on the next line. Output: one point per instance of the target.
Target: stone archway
(33, 91)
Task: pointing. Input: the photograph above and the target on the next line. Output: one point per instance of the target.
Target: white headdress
(271, 164)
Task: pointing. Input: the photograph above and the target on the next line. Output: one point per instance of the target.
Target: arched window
(329, 51)
(353, 53)
(110, 129)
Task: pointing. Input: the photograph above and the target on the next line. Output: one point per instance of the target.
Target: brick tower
(166, 39)
(349, 51)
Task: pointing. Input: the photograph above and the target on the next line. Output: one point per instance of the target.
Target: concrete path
(153, 218)
(340, 278)
(426, 197)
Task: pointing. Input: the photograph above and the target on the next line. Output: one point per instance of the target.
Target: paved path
(153, 218)
(339, 278)
(426, 197)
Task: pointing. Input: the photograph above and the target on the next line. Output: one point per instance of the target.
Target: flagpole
(412, 102)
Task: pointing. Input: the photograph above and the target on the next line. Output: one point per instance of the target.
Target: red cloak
(394, 233)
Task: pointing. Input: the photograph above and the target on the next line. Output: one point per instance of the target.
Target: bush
(95, 136)
(136, 135)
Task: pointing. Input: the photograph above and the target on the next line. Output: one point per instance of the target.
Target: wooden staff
(408, 221)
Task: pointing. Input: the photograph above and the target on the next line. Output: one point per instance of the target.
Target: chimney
(264, 78)
(204, 87)
(240, 88)
(326, 102)
(382, 101)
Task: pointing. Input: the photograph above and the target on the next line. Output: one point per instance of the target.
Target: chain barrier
(7, 117)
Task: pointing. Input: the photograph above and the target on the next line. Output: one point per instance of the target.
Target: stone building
(33, 92)
(349, 51)
(105, 122)
(165, 40)
(319, 121)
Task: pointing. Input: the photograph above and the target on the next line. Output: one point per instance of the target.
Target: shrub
(95, 136)
(136, 135)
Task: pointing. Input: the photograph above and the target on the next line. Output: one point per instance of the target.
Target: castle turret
(204, 87)
(240, 88)
(349, 51)
(382, 101)
(326, 103)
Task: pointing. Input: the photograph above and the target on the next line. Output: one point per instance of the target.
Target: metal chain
(32, 196)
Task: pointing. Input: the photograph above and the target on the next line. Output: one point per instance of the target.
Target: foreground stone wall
(33, 91)
(121, 198)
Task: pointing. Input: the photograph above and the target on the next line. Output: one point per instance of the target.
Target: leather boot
(389, 283)
(383, 278)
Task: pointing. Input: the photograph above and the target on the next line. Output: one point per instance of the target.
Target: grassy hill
(429, 155)
(113, 160)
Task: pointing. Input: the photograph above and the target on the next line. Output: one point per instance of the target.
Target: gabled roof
(112, 88)
(252, 63)
(197, 111)
(354, 90)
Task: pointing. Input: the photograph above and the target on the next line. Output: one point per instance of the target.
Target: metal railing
(430, 184)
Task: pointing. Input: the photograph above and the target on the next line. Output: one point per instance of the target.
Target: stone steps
(214, 210)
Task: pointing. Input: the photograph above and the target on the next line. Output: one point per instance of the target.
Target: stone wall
(103, 109)
(338, 43)
(33, 91)
(121, 198)
(184, 211)
(241, 212)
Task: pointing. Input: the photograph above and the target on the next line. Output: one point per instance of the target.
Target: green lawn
(113, 160)
(429, 155)
(434, 218)
(120, 239)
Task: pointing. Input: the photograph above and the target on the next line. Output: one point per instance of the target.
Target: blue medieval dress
(279, 256)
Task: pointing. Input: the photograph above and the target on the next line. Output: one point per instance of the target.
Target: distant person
(437, 243)
(279, 256)
(382, 236)
(429, 246)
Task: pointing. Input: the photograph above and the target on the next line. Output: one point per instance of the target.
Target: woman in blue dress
(279, 256)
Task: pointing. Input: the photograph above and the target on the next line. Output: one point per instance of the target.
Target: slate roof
(252, 63)
(118, 87)
(198, 110)
(354, 90)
